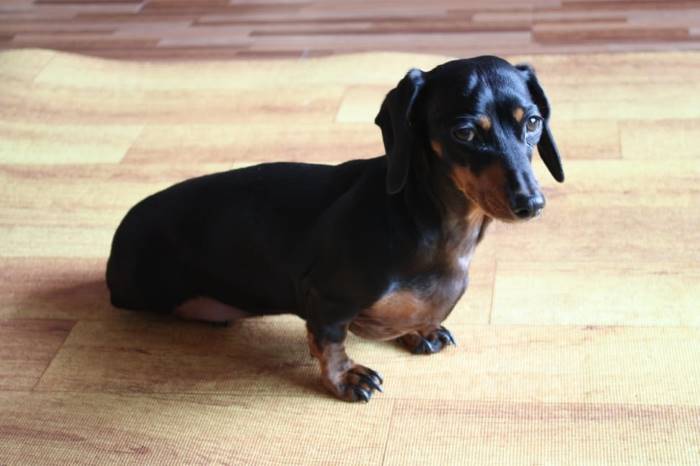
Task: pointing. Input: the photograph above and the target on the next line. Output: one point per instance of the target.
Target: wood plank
(432, 25)
(414, 42)
(622, 102)
(590, 32)
(595, 293)
(361, 104)
(300, 141)
(85, 196)
(666, 140)
(554, 364)
(28, 346)
(21, 66)
(638, 223)
(54, 288)
(82, 428)
(133, 108)
(622, 183)
(51, 143)
(234, 75)
(269, 357)
(21, 241)
(293, 28)
(585, 233)
(84, 41)
(625, 4)
(497, 433)
(587, 139)
(594, 69)
(266, 356)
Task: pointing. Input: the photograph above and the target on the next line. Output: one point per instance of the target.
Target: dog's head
(481, 119)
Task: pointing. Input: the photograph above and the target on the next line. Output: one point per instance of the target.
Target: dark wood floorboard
(211, 29)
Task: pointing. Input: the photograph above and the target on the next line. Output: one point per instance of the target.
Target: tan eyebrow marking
(518, 114)
(485, 122)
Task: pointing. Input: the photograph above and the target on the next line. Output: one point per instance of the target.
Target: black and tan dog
(380, 247)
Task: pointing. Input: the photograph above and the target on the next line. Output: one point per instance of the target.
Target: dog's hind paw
(428, 343)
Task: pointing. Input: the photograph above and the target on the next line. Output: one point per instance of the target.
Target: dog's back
(235, 236)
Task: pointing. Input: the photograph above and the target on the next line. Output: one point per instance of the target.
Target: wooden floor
(205, 29)
(579, 339)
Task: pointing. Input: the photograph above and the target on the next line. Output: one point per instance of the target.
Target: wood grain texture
(614, 293)
(90, 428)
(28, 346)
(35, 288)
(156, 30)
(504, 363)
(492, 433)
(578, 339)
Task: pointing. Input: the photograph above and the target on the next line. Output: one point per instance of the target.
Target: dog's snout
(525, 207)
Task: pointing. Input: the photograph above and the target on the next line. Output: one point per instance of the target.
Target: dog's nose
(525, 207)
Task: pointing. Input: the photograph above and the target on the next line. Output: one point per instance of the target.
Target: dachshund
(380, 247)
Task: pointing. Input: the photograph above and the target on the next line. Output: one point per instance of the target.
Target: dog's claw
(446, 337)
(428, 343)
(371, 382)
(424, 347)
(375, 375)
(358, 383)
(362, 394)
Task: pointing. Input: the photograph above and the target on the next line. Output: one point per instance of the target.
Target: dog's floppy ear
(546, 147)
(394, 119)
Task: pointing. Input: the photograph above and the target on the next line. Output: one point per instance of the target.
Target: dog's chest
(423, 300)
(420, 304)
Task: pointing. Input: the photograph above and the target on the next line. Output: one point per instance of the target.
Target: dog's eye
(533, 124)
(464, 134)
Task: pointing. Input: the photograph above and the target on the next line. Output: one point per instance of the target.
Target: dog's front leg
(327, 327)
(340, 375)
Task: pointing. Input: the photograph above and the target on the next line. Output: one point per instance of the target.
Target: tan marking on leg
(437, 147)
(518, 114)
(334, 362)
(208, 310)
(340, 375)
(485, 122)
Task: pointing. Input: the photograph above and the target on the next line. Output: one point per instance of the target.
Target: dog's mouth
(494, 202)
(494, 208)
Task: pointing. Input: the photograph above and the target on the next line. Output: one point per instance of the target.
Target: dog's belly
(209, 310)
(400, 312)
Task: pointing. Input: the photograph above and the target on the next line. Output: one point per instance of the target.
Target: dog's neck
(437, 205)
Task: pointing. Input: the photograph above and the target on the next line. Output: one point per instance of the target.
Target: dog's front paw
(355, 384)
(431, 342)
